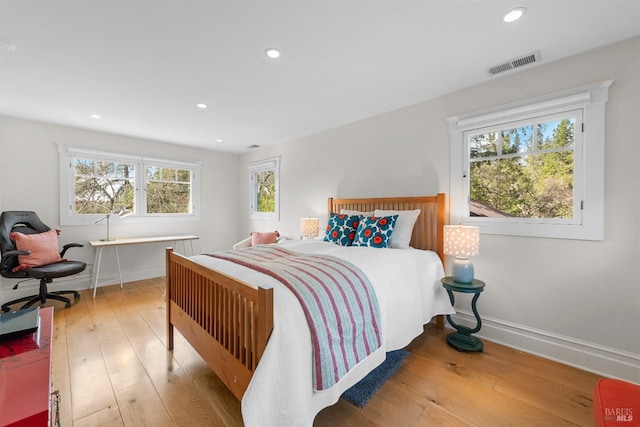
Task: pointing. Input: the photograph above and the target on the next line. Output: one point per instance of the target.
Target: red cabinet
(25, 376)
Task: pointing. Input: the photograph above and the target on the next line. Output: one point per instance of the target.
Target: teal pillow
(341, 229)
(375, 231)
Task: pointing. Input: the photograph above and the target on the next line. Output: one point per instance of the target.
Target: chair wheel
(67, 305)
(76, 296)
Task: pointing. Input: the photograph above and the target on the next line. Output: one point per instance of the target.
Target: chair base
(42, 297)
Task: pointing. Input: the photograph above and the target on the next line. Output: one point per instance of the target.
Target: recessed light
(272, 53)
(95, 116)
(513, 14)
(201, 105)
(218, 140)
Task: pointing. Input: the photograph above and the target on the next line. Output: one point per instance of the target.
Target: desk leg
(191, 243)
(118, 262)
(96, 266)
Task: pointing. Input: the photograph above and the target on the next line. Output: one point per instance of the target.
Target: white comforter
(407, 284)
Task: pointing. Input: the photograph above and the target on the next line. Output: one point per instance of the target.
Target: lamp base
(462, 342)
(462, 270)
(111, 239)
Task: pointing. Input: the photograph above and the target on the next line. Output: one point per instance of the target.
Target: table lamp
(462, 241)
(309, 227)
(121, 214)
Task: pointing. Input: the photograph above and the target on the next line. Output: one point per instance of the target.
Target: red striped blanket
(337, 299)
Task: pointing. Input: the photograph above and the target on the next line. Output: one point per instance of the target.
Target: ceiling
(142, 65)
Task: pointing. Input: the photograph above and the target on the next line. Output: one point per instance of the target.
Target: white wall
(574, 301)
(29, 180)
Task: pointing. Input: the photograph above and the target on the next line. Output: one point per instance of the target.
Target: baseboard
(588, 356)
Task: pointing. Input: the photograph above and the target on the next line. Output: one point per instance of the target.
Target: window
(94, 183)
(525, 169)
(535, 168)
(265, 176)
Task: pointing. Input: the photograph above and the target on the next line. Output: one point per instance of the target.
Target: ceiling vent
(514, 63)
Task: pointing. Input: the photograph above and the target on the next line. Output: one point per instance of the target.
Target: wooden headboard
(428, 231)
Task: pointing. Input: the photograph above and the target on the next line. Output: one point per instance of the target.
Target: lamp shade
(309, 227)
(461, 240)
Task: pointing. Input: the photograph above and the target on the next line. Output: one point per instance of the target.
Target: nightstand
(462, 340)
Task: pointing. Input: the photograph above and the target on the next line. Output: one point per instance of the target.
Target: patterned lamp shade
(309, 227)
(461, 240)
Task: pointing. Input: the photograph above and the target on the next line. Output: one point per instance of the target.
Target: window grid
(96, 183)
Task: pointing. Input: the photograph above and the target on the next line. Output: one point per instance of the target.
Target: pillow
(43, 247)
(403, 229)
(264, 238)
(341, 229)
(375, 231)
(354, 212)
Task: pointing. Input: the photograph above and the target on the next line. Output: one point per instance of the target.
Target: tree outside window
(523, 172)
(102, 186)
(264, 178)
(168, 190)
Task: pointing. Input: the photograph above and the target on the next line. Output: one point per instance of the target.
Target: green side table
(462, 340)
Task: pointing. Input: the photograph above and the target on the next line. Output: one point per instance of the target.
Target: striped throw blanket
(336, 297)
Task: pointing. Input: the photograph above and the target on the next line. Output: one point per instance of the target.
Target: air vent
(252, 146)
(514, 63)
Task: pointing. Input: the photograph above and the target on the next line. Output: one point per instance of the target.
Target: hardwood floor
(112, 368)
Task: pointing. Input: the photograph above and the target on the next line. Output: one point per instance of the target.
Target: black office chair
(27, 222)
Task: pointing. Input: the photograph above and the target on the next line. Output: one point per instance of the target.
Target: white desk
(99, 245)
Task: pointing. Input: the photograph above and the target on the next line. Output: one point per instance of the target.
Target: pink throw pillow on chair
(264, 238)
(43, 247)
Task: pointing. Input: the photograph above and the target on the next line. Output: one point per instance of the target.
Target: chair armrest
(70, 245)
(8, 256)
(243, 243)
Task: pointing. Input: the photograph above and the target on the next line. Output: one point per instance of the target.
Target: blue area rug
(364, 390)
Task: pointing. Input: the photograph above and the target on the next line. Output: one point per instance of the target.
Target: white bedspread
(407, 284)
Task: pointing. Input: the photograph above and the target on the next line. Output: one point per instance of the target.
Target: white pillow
(353, 212)
(401, 235)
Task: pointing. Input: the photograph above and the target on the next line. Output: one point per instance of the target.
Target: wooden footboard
(227, 321)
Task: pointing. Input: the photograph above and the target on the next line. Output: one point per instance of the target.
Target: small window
(533, 168)
(264, 179)
(94, 183)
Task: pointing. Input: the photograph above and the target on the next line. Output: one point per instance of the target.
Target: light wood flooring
(112, 368)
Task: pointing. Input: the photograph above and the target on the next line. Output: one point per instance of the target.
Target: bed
(226, 312)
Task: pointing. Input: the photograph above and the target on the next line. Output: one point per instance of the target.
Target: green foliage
(266, 191)
(520, 180)
(168, 197)
(168, 190)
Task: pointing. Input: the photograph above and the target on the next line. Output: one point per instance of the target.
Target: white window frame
(588, 223)
(67, 186)
(254, 169)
